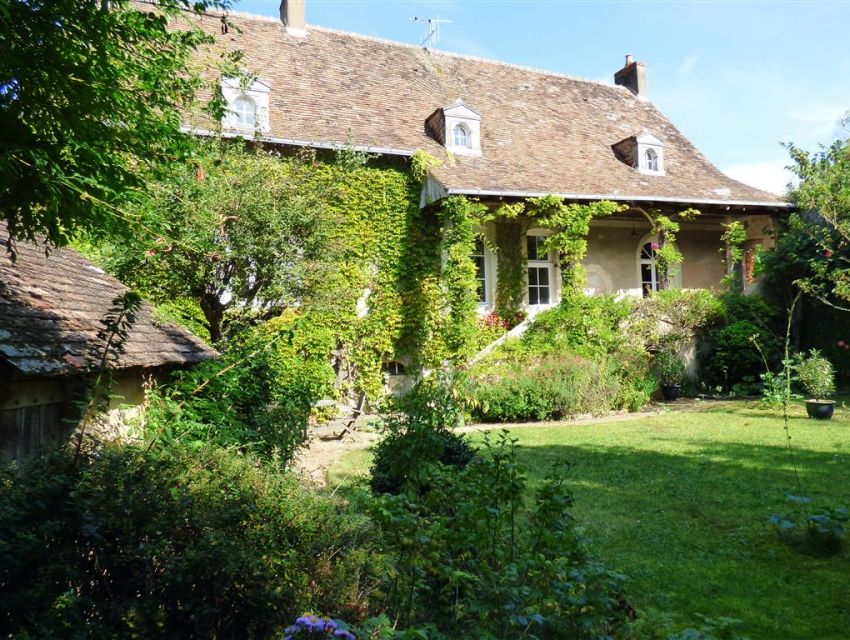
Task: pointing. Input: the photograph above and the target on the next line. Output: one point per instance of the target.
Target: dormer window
(644, 152)
(461, 137)
(247, 105)
(458, 127)
(245, 111)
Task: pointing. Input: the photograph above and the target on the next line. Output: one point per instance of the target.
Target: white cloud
(770, 176)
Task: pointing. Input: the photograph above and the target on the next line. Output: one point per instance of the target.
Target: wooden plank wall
(24, 430)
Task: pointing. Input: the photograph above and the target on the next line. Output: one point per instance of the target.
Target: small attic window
(245, 111)
(651, 159)
(461, 137)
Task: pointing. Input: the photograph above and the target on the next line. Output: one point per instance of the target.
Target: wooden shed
(51, 312)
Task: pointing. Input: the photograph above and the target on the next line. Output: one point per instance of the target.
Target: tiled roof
(50, 312)
(540, 132)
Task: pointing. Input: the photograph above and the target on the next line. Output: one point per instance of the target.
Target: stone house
(502, 133)
(51, 308)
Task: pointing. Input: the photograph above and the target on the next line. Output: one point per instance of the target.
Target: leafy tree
(238, 233)
(817, 240)
(92, 93)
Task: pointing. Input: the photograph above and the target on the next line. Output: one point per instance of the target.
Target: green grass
(679, 502)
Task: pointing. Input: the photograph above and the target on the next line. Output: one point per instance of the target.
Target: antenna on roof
(432, 35)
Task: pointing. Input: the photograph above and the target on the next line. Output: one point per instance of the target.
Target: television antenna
(432, 34)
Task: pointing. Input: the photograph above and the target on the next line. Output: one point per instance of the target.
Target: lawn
(679, 502)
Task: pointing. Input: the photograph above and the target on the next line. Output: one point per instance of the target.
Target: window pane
(531, 243)
(646, 272)
(647, 253)
(543, 277)
(532, 276)
(479, 247)
(544, 295)
(532, 295)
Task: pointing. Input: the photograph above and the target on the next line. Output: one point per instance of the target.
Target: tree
(243, 230)
(92, 94)
(817, 239)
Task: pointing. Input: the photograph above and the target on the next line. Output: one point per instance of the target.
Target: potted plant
(670, 371)
(817, 376)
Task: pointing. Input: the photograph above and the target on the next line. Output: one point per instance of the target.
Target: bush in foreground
(135, 543)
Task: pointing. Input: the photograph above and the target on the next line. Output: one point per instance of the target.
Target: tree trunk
(214, 313)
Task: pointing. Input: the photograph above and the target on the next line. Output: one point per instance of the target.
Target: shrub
(669, 368)
(257, 397)
(478, 560)
(138, 543)
(817, 375)
(417, 436)
(558, 385)
(740, 350)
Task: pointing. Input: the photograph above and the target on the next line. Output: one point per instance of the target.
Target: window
(461, 137)
(539, 272)
(648, 269)
(245, 111)
(651, 158)
(480, 260)
(393, 368)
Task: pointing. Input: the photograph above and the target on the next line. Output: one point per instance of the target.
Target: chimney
(633, 77)
(292, 14)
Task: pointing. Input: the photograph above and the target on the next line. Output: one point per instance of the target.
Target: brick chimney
(633, 77)
(293, 16)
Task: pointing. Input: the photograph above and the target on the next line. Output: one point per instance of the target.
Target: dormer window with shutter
(458, 128)
(644, 152)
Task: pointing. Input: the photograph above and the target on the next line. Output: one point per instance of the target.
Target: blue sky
(737, 78)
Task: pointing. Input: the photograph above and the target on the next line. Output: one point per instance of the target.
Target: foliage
(236, 232)
(734, 236)
(667, 255)
(669, 368)
(418, 436)
(571, 225)
(671, 318)
(257, 397)
(823, 194)
(475, 559)
(556, 386)
(138, 542)
(712, 629)
(91, 99)
(458, 275)
(824, 527)
(817, 375)
(746, 344)
(574, 358)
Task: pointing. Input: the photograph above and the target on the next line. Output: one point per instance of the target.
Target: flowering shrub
(316, 627)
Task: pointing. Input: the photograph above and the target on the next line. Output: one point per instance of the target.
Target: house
(51, 308)
(502, 133)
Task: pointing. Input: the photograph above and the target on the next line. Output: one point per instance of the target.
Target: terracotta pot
(820, 409)
(670, 391)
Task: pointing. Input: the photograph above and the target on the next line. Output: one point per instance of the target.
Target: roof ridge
(441, 52)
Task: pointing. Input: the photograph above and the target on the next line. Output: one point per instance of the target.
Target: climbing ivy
(667, 255)
(734, 236)
(571, 225)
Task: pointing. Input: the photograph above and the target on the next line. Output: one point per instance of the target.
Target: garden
(696, 499)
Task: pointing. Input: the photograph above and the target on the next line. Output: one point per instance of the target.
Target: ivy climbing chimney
(633, 77)
(293, 15)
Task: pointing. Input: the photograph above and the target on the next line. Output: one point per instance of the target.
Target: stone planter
(670, 392)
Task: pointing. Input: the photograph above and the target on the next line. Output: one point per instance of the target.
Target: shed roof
(51, 309)
(541, 132)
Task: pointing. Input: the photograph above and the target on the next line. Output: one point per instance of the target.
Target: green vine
(734, 236)
(571, 224)
(667, 255)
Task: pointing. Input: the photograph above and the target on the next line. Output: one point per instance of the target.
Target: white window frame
(646, 143)
(485, 259)
(239, 115)
(655, 281)
(461, 129)
(540, 263)
(456, 114)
